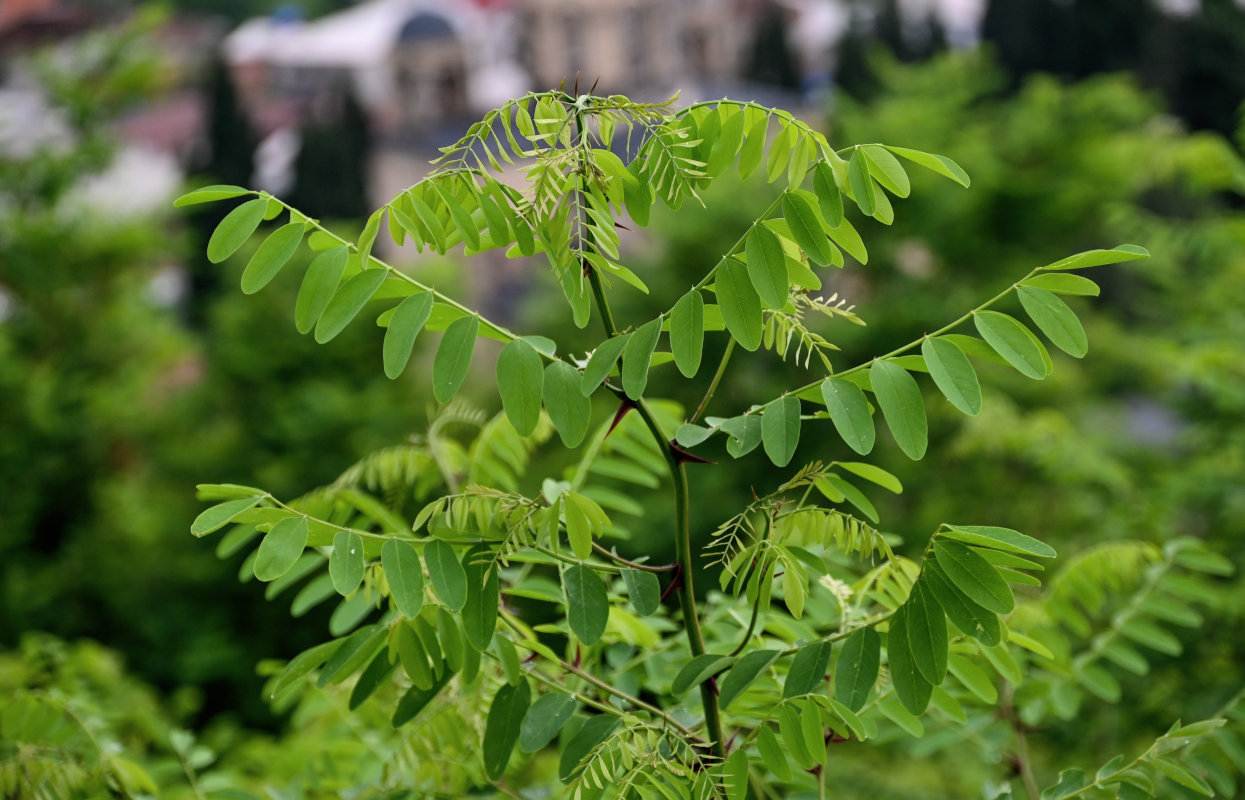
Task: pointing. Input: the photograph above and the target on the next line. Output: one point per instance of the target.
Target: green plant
(493, 588)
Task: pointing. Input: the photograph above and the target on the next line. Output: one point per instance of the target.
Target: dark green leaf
(601, 362)
(829, 198)
(698, 670)
(210, 194)
(405, 576)
(814, 731)
(974, 576)
(1000, 538)
(637, 356)
(544, 719)
(318, 287)
(767, 267)
(347, 302)
(271, 256)
(235, 229)
(1013, 341)
(587, 602)
(569, 409)
(747, 669)
(780, 429)
(741, 307)
(218, 516)
(953, 374)
(416, 699)
(860, 182)
(745, 434)
(449, 579)
(643, 590)
(687, 331)
(302, 664)
(483, 598)
(346, 562)
(735, 775)
(501, 731)
(404, 326)
(911, 686)
(857, 667)
(806, 228)
(373, 678)
(900, 400)
(927, 634)
(966, 615)
(520, 382)
(591, 734)
(851, 494)
(453, 358)
(808, 669)
(1055, 319)
(280, 548)
(356, 650)
(849, 410)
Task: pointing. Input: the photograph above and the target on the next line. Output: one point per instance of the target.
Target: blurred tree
(331, 170)
(771, 59)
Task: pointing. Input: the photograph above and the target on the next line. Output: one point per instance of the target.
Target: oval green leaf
(910, 685)
(698, 670)
(601, 363)
(210, 194)
(348, 302)
(860, 182)
(218, 516)
(829, 198)
(808, 669)
(966, 615)
(569, 409)
(346, 562)
(1097, 258)
(318, 286)
(501, 731)
(587, 602)
(235, 229)
(806, 228)
(740, 304)
(953, 374)
(1013, 341)
(483, 601)
(767, 266)
(1000, 539)
(934, 162)
(644, 591)
(687, 331)
(520, 382)
(637, 356)
(405, 575)
(887, 170)
(447, 574)
(280, 548)
(1064, 283)
(271, 256)
(974, 576)
(927, 634)
(1055, 319)
(780, 429)
(857, 668)
(544, 719)
(899, 397)
(849, 411)
(453, 357)
(404, 326)
(747, 669)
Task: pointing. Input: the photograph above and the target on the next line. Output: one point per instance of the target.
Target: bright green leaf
(767, 266)
(453, 358)
(780, 429)
(1055, 319)
(318, 287)
(280, 548)
(447, 574)
(860, 182)
(235, 229)
(218, 516)
(931, 161)
(1064, 283)
(953, 374)
(346, 562)
(347, 302)
(637, 356)
(687, 331)
(1013, 341)
(271, 256)
(405, 575)
(740, 304)
(601, 363)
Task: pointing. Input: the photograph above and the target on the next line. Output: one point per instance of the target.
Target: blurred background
(131, 369)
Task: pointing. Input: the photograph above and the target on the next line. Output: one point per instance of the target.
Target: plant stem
(717, 378)
(632, 564)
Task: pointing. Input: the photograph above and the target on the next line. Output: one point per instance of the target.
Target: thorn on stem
(626, 405)
(685, 456)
